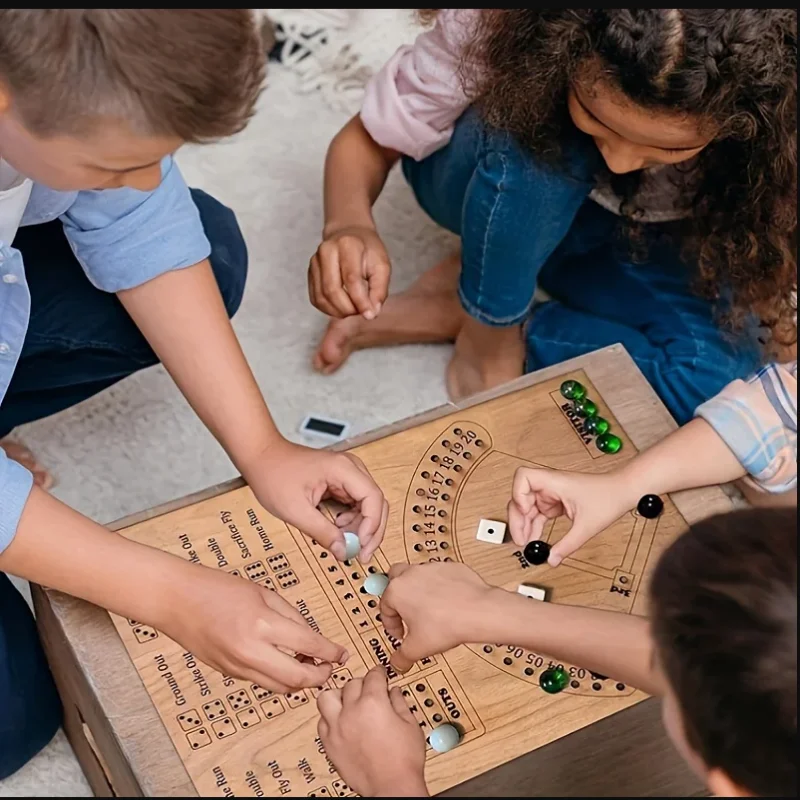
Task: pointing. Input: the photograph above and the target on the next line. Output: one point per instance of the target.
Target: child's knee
(27, 735)
(678, 389)
(684, 384)
(228, 257)
(579, 160)
(30, 709)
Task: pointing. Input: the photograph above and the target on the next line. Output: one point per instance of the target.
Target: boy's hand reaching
(349, 273)
(591, 502)
(246, 631)
(372, 738)
(291, 481)
(441, 605)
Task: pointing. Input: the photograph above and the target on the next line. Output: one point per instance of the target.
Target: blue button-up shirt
(122, 238)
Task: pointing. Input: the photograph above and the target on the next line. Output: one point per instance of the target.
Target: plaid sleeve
(757, 419)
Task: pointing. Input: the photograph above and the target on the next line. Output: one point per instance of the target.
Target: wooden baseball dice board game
(441, 474)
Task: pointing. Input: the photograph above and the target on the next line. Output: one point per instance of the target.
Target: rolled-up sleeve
(124, 237)
(15, 486)
(757, 419)
(412, 103)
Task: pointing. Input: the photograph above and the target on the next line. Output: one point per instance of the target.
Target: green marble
(596, 426)
(554, 680)
(573, 390)
(585, 407)
(608, 443)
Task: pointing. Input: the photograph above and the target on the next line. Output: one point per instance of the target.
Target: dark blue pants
(523, 224)
(79, 342)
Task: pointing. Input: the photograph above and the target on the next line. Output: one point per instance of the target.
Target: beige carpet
(139, 444)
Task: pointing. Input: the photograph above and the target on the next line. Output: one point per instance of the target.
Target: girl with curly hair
(637, 165)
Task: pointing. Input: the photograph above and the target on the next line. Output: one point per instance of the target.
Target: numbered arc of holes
(540, 663)
(434, 495)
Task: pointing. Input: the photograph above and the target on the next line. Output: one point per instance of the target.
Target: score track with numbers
(440, 478)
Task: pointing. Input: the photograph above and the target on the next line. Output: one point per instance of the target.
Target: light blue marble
(444, 738)
(376, 584)
(352, 545)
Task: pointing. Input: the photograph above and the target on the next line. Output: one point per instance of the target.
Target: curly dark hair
(733, 68)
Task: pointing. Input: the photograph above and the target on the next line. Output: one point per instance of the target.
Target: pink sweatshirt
(412, 104)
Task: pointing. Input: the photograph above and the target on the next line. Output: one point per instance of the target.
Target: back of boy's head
(724, 615)
(192, 74)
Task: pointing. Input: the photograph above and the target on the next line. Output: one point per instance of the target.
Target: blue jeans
(523, 224)
(79, 342)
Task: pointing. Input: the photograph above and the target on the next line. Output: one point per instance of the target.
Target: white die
(491, 531)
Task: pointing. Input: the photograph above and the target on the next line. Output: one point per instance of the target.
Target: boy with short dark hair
(108, 264)
(724, 627)
(720, 649)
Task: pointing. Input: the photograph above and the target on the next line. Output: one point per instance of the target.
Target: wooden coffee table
(148, 719)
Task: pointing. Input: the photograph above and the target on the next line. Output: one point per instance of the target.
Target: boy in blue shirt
(108, 264)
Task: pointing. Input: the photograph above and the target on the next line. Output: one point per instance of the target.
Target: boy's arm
(372, 738)
(59, 548)
(150, 249)
(606, 642)
(435, 607)
(432, 608)
(241, 633)
(182, 316)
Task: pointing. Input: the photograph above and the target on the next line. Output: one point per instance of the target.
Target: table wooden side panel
(108, 772)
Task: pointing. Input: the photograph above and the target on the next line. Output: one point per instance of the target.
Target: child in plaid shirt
(748, 431)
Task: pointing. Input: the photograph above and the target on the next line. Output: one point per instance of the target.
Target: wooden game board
(130, 747)
(440, 478)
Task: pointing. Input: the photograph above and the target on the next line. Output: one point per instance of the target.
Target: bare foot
(19, 453)
(484, 357)
(427, 312)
